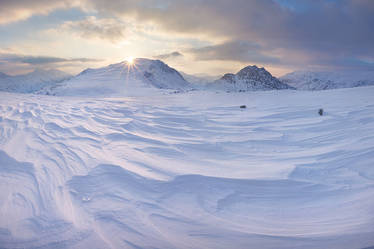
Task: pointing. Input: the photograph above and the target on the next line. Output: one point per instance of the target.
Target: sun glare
(130, 60)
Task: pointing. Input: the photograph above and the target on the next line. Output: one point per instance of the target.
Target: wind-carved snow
(191, 170)
(32, 82)
(250, 78)
(122, 79)
(304, 80)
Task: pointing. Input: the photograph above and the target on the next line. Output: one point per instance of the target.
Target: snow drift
(191, 170)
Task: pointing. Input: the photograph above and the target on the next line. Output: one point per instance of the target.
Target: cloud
(317, 32)
(15, 10)
(234, 51)
(15, 63)
(106, 29)
(168, 56)
(310, 27)
(37, 60)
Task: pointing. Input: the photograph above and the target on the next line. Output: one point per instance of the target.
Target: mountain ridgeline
(124, 78)
(32, 82)
(145, 75)
(314, 81)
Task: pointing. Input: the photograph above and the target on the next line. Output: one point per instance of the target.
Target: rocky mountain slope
(250, 78)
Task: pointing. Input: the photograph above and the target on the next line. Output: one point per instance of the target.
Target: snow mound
(250, 78)
(306, 80)
(32, 82)
(122, 79)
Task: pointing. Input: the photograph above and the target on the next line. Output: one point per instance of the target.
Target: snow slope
(122, 79)
(189, 170)
(304, 80)
(250, 78)
(32, 82)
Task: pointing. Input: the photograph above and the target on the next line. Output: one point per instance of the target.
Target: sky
(204, 37)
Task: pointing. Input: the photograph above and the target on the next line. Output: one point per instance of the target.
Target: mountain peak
(251, 78)
(253, 67)
(140, 76)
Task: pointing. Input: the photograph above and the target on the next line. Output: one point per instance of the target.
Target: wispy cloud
(107, 28)
(174, 54)
(234, 51)
(16, 10)
(36, 60)
(13, 63)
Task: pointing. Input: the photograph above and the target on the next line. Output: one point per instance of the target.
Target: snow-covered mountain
(306, 80)
(32, 82)
(250, 78)
(123, 78)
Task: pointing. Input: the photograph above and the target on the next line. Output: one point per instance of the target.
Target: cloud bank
(16, 10)
(174, 54)
(91, 27)
(18, 63)
(289, 32)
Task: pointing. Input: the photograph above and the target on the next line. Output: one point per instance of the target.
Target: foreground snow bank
(188, 170)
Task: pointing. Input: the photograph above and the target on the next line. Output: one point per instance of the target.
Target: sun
(130, 60)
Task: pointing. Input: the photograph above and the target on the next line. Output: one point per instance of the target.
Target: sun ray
(130, 60)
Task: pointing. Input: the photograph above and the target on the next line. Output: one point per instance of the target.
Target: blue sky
(195, 36)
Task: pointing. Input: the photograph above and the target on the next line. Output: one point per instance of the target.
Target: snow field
(189, 170)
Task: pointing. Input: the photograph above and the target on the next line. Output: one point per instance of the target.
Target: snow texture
(188, 170)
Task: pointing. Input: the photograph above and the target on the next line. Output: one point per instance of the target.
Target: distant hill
(32, 82)
(250, 78)
(307, 80)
